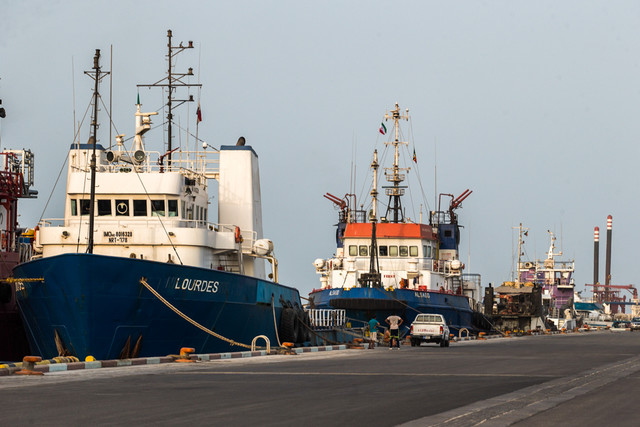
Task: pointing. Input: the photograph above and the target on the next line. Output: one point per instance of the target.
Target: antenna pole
(172, 82)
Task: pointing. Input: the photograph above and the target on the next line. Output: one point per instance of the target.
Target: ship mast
(393, 174)
(96, 75)
(372, 279)
(172, 82)
(520, 243)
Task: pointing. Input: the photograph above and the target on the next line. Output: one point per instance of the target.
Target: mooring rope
(14, 280)
(275, 324)
(143, 281)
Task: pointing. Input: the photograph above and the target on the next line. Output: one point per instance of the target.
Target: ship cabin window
(206, 212)
(74, 207)
(413, 251)
(404, 251)
(122, 207)
(427, 251)
(383, 251)
(104, 207)
(424, 251)
(183, 209)
(393, 251)
(157, 208)
(139, 208)
(173, 207)
(353, 250)
(202, 218)
(85, 207)
(363, 251)
(448, 233)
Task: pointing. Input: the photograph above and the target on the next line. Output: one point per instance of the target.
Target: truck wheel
(414, 343)
(442, 343)
(447, 343)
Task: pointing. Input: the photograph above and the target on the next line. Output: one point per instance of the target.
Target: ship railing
(194, 164)
(327, 318)
(25, 252)
(147, 222)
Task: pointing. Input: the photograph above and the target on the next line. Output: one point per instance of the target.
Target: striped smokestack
(596, 254)
(607, 277)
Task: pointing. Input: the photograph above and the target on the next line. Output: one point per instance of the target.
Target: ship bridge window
(363, 251)
(404, 251)
(139, 208)
(74, 207)
(85, 207)
(383, 251)
(427, 251)
(157, 208)
(353, 250)
(173, 207)
(393, 251)
(413, 251)
(448, 233)
(104, 207)
(122, 207)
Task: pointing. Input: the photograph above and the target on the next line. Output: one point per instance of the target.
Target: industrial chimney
(607, 277)
(596, 254)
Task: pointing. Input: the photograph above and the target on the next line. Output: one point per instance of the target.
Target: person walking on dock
(394, 322)
(373, 332)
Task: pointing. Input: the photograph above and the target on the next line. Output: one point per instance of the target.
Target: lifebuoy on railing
(238, 235)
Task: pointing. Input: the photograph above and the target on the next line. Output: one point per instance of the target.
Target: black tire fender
(288, 327)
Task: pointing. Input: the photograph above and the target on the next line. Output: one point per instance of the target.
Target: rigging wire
(66, 157)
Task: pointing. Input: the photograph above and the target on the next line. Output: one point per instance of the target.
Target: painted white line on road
(524, 403)
(373, 374)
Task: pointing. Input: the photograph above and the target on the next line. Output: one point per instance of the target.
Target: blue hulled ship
(389, 264)
(135, 268)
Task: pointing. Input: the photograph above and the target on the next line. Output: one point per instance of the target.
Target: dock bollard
(185, 355)
(28, 363)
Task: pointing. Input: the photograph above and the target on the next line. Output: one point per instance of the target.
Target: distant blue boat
(385, 263)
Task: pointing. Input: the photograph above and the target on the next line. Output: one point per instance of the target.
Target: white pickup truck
(429, 328)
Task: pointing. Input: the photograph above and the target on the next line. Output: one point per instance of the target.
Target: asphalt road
(587, 379)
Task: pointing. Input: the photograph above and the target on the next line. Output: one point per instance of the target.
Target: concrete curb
(74, 366)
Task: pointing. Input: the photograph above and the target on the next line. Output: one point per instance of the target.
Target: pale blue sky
(533, 106)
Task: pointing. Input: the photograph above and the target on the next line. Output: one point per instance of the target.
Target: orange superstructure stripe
(390, 230)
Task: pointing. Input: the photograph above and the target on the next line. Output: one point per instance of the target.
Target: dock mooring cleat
(185, 355)
(28, 363)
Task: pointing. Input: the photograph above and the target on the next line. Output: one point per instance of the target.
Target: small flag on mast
(383, 129)
(199, 113)
(415, 159)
